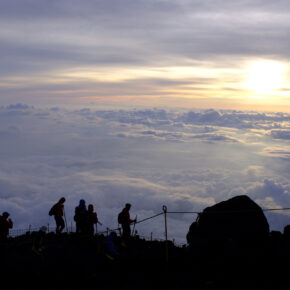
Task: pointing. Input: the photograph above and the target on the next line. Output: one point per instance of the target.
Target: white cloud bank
(186, 160)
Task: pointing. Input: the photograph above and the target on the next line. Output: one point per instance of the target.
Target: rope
(228, 211)
(141, 221)
(195, 212)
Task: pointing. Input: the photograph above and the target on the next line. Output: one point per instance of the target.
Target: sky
(206, 54)
(183, 103)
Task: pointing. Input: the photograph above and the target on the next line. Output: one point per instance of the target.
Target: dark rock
(237, 218)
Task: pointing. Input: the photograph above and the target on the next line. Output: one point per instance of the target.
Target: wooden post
(166, 239)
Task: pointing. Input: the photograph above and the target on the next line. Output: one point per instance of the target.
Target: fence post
(166, 240)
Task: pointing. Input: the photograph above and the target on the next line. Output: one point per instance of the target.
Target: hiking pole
(134, 225)
(65, 220)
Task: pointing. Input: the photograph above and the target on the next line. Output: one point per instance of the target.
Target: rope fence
(30, 229)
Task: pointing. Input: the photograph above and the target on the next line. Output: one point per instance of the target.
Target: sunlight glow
(264, 77)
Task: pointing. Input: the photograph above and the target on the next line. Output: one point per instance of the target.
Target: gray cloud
(42, 36)
(281, 134)
(282, 152)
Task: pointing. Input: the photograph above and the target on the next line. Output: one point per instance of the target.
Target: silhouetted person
(81, 217)
(58, 211)
(125, 220)
(92, 219)
(5, 225)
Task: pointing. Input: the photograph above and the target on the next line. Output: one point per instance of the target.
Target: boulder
(236, 218)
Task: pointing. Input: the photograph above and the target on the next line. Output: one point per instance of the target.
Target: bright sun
(264, 77)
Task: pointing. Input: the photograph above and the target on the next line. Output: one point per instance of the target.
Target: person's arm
(129, 219)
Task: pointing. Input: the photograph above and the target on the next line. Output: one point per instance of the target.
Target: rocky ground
(49, 261)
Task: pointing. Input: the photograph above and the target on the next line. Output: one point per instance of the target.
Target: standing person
(92, 220)
(80, 217)
(125, 220)
(5, 225)
(58, 210)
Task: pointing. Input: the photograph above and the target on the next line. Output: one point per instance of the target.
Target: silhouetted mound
(237, 218)
(71, 261)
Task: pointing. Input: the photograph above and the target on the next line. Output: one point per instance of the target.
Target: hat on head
(6, 214)
(62, 200)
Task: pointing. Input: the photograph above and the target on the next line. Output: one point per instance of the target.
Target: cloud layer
(186, 160)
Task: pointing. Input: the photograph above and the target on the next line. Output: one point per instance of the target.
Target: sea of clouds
(184, 159)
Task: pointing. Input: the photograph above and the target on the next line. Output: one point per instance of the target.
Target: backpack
(121, 218)
(52, 211)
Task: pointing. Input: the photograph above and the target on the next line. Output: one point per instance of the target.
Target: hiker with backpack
(125, 220)
(81, 217)
(5, 225)
(58, 212)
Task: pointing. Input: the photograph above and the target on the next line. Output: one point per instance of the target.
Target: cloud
(253, 171)
(18, 107)
(282, 152)
(84, 49)
(270, 190)
(281, 134)
(184, 159)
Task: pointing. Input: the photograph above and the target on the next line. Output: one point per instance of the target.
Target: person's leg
(57, 224)
(126, 231)
(61, 224)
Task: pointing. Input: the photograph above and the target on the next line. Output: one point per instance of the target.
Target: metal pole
(164, 208)
(134, 226)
